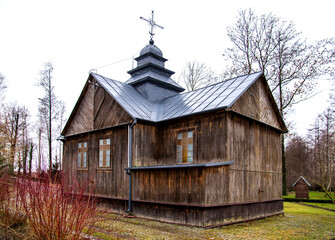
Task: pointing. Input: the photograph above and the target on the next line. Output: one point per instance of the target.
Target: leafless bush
(11, 211)
(57, 211)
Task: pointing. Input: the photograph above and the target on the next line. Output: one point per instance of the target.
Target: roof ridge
(301, 177)
(106, 77)
(217, 83)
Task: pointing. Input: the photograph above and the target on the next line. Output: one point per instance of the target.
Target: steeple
(150, 77)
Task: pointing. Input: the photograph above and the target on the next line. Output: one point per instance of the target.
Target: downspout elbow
(133, 124)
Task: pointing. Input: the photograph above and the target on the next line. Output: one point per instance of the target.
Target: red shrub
(56, 211)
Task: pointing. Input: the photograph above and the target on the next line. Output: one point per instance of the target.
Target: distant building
(301, 188)
(205, 158)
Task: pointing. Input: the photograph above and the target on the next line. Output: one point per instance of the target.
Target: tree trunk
(13, 145)
(39, 150)
(50, 126)
(30, 158)
(25, 147)
(284, 192)
(19, 164)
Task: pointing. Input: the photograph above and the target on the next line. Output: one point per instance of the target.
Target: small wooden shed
(301, 187)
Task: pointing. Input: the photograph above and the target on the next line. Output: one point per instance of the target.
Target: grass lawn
(312, 195)
(324, 205)
(299, 222)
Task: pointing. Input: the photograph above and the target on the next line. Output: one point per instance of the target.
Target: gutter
(130, 148)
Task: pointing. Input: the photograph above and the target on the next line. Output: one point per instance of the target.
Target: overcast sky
(77, 36)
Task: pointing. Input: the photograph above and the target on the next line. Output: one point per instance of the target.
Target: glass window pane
(101, 142)
(79, 145)
(108, 141)
(185, 147)
(85, 144)
(84, 163)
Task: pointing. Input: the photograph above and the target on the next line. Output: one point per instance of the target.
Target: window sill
(190, 165)
(104, 169)
(82, 169)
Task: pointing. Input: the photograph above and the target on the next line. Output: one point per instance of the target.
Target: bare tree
(31, 149)
(48, 107)
(61, 122)
(14, 123)
(291, 65)
(298, 159)
(3, 86)
(2, 125)
(25, 140)
(39, 164)
(196, 75)
(323, 145)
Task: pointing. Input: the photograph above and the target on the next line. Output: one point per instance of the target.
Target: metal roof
(301, 177)
(218, 96)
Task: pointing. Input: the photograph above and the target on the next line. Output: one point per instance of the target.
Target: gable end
(258, 103)
(95, 109)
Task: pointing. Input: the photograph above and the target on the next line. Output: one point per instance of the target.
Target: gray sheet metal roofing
(217, 96)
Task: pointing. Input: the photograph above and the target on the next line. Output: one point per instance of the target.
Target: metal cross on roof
(152, 24)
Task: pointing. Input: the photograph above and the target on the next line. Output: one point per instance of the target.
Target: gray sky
(77, 36)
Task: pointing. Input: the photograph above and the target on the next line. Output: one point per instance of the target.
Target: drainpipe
(130, 144)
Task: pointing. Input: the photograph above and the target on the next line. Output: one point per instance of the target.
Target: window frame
(179, 147)
(104, 154)
(82, 156)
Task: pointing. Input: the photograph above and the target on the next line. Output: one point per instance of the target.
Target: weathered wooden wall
(177, 186)
(107, 112)
(82, 119)
(255, 103)
(109, 182)
(95, 109)
(255, 150)
(161, 140)
(253, 147)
